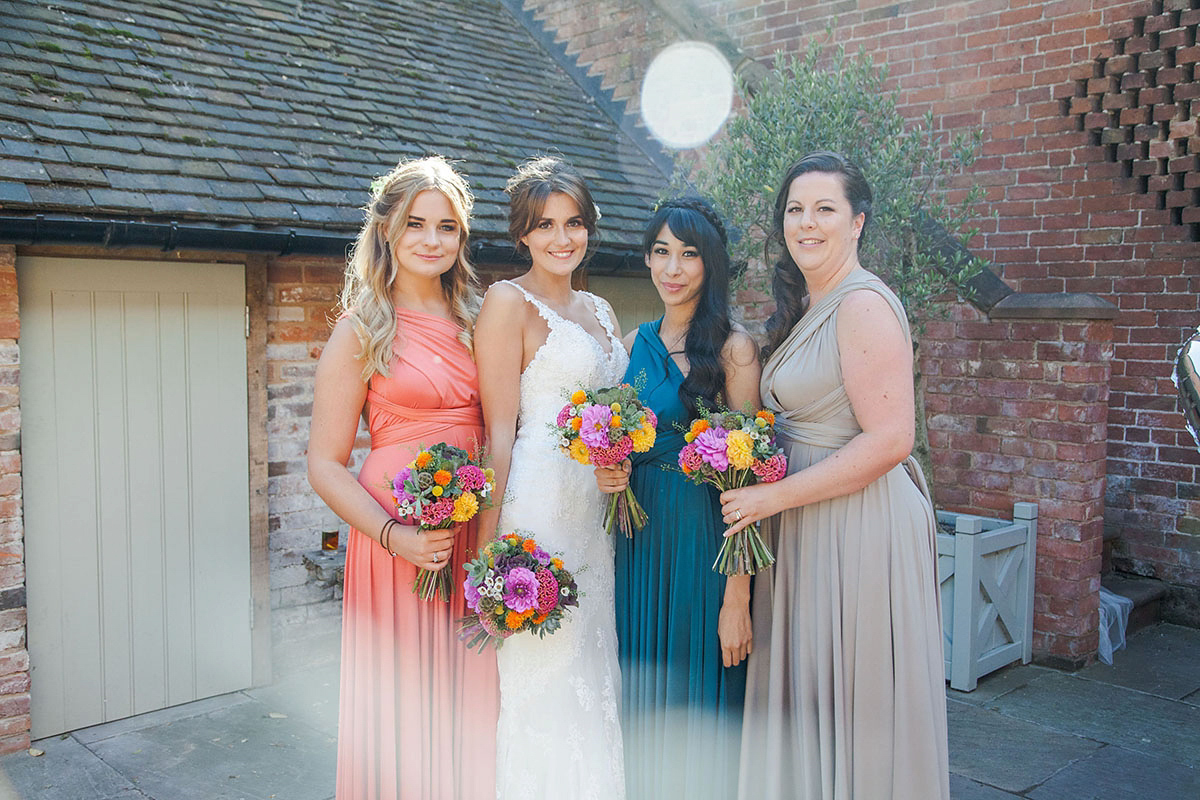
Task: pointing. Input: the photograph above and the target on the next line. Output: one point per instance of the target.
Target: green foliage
(831, 101)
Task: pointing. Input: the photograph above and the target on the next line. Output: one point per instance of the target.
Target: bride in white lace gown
(537, 340)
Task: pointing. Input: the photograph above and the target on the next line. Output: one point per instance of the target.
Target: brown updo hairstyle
(532, 185)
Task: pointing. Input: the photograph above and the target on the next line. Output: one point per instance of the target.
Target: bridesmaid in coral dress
(418, 710)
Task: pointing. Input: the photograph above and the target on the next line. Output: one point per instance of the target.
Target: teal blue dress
(681, 708)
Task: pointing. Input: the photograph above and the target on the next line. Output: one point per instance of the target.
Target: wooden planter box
(985, 569)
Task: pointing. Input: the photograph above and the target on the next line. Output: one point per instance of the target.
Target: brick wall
(14, 658)
(589, 31)
(306, 615)
(1017, 410)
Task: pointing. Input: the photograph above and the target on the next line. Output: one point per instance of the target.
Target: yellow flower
(465, 507)
(643, 438)
(437, 491)
(615, 408)
(739, 448)
(766, 416)
(578, 451)
(760, 422)
(490, 474)
(688, 437)
(578, 397)
(557, 562)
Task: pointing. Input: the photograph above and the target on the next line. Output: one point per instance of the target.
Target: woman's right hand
(428, 549)
(615, 478)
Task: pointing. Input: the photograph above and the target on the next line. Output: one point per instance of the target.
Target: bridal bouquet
(514, 585)
(601, 427)
(730, 450)
(442, 487)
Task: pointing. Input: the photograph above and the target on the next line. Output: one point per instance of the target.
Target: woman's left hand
(740, 507)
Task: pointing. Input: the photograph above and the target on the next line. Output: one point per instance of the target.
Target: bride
(536, 341)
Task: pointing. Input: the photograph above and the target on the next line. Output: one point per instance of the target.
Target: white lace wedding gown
(559, 734)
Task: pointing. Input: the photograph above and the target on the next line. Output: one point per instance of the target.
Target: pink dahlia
(711, 446)
(471, 593)
(771, 470)
(607, 455)
(520, 589)
(596, 419)
(547, 594)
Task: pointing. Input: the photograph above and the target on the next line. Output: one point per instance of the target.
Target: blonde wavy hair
(367, 291)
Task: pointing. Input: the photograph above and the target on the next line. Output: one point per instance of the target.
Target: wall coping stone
(1053, 305)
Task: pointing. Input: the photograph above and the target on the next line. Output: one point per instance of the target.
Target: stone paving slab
(310, 697)
(1007, 753)
(1163, 660)
(66, 771)
(1000, 683)
(1111, 714)
(237, 753)
(966, 789)
(1114, 773)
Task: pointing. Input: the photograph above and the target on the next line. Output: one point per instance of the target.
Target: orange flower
(615, 421)
(540, 618)
(512, 538)
(766, 415)
(685, 469)
(578, 397)
(699, 427)
(557, 562)
(513, 620)
(422, 459)
(442, 477)
(576, 423)
(529, 545)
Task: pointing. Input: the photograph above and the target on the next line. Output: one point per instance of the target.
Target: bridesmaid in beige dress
(845, 697)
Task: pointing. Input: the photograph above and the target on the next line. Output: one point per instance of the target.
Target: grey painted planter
(985, 569)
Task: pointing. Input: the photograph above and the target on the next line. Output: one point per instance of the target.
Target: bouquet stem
(744, 553)
(624, 512)
(429, 584)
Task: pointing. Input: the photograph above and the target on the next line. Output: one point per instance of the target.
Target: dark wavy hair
(532, 185)
(693, 221)
(788, 284)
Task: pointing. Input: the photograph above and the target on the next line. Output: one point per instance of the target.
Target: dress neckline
(545, 309)
(426, 315)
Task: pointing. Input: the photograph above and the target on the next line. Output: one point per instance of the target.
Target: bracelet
(385, 536)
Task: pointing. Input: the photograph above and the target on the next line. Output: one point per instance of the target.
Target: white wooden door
(136, 485)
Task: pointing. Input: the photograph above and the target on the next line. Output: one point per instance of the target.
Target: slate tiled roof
(271, 115)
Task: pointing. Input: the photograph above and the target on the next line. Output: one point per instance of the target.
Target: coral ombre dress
(418, 710)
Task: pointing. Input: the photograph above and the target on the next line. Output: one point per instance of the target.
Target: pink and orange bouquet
(514, 585)
(442, 487)
(601, 427)
(730, 450)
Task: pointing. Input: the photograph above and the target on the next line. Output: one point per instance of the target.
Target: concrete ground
(1126, 732)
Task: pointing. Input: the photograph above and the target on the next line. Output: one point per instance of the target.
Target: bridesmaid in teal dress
(683, 629)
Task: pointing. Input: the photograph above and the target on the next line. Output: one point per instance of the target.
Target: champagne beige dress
(846, 697)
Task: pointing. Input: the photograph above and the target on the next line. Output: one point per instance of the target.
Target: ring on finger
(738, 512)
(437, 557)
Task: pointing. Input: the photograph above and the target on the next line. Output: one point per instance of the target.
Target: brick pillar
(14, 658)
(1017, 407)
(301, 296)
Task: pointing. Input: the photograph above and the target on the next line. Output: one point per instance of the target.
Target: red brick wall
(1017, 409)
(589, 31)
(14, 658)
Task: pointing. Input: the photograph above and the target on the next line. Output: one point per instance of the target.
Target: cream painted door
(136, 485)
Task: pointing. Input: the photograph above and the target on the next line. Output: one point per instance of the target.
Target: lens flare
(687, 94)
